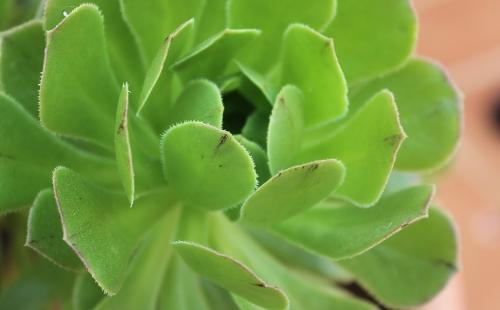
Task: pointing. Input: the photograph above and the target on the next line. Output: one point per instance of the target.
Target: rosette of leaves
(213, 154)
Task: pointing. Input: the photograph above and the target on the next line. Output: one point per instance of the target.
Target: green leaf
(182, 288)
(259, 158)
(206, 166)
(86, 293)
(257, 88)
(373, 37)
(123, 151)
(310, 63)
(410, 268)
(341, 231)
(101, 228)
(19, 183)
(368, 154)
(45, 233)
(28, 154)
(201, 101)
(231, 275)
(292, 191)
(147, 269)
(169, 52)
(286, 126)
(273, 18)
(69, 102)
(125, 57)
(151, 22)
(311, 294)
(255, 127)
(220, 49)
(212, 19)
(430, 110)
(21, 59)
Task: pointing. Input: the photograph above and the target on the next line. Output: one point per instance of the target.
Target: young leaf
(255, 127)
(273, 19)
(231, 275)
(220, 49)
(100, 226)
(292, 191)
(125, 57)
(367, 144)
(151, 21)
(257, 87)
(170, 49)
(410, 268)
(21, 59)
(206, 166)
(430, 110)
(286, 125)
(78, 87)
(343, 231)
(201, 101)
(45, 233)
(310, 63)
(259, 158)
(145, 277)
(123, 151)
(373, 37)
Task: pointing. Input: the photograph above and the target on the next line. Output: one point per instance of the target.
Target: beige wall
(464, 35)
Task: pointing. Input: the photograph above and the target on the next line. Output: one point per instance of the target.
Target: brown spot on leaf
(222, 140)
(260, 284)
(393, 140)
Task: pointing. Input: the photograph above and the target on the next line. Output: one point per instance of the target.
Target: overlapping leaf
(207, 167)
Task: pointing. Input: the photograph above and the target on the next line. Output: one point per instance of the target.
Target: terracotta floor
(464, 35)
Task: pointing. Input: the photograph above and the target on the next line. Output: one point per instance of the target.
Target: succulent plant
(222, 154)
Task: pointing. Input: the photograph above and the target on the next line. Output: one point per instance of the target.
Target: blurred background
(464, 36)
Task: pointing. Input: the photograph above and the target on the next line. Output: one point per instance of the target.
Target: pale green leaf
(212, 19)
(309, 62)
(373, 37)
(207, 167)
(367, 144)
(341, 231)
(101, 228)
(259, 158)
(311, 294)
(292, 191)
(410, 268)
(151, 21)
(125, 57)
(257, 88)
(45, 233)
(286, 126)
(430, 110)
(123, 151)
(201, 101)
(231, 275)
(21, 59)
(78, 87)
(273, 18)
(255, 127)
(143, 283)
(169, 51)
(220, 49)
